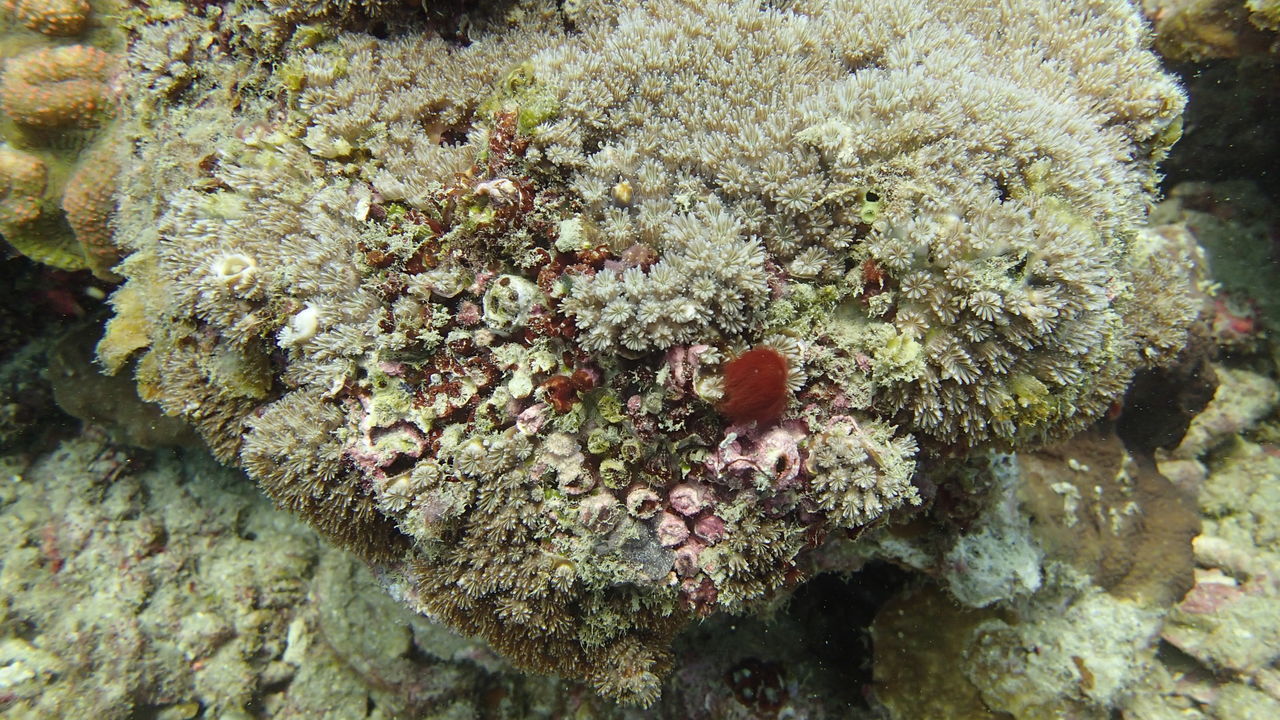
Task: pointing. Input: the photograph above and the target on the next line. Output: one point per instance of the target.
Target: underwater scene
(573, 359)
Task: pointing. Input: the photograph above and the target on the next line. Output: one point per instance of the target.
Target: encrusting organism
(579, 330)
(755, 387)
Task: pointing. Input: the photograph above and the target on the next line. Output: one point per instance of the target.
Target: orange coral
(22, 183)
(27, 222)
(89, 202)
(59, 87)
(52, 17)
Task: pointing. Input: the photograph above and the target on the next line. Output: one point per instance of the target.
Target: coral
(217, 601)
(327, 498)
(1162, 258)
(297, 11)
(89, 203)
(60, 87)
(51, 17)
(471, 307)
(711, 277)
(55, 99)
(24, 177)
(859, 474)
(818, 167)
(27, 221)
(1198, 30)
(70, 237)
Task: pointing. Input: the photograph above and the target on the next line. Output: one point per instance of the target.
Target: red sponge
(755, 387)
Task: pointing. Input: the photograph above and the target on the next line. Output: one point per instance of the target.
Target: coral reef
(821, 174)
(588, 326)
(1199, 30)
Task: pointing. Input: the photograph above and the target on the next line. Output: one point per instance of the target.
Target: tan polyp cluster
(59, 18)
(61, 87)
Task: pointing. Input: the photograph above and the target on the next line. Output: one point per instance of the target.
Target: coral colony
(582, 323)
(57, 163)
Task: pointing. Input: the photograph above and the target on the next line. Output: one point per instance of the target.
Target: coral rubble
(475, 295)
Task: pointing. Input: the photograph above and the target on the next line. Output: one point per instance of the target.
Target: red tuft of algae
(755, 387)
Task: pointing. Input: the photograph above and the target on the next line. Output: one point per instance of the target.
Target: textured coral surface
(51, 17)
(58, 92)
(66, 86)
(474, 295)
